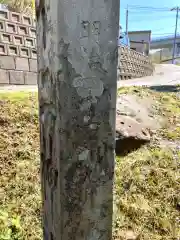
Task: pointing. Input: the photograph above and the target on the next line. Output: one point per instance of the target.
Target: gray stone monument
(77, 71)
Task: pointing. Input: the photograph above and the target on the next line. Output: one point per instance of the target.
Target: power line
(148, 8)
(154, 18)
(135, 12)
(163, 34)
(138, 11)
(159, 29)
(148, 11)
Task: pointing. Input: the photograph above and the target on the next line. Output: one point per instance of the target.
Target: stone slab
(7, 62)
(16, 77)
(33, 65)
(4, 77)
(30, 78)
(22, 64)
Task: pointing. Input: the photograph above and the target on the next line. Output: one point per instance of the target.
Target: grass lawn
(147, 189)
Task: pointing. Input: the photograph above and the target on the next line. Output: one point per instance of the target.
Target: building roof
(138, 41)
(145, 31)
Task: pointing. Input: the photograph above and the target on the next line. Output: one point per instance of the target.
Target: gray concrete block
(24, 51)
(18, 40)
(7, 62)
(32, 32)
(6, 37)
(15, 17)
(29, 42)
(2, 25)
(23, 30)
(22, 64)
(34, 22)
(30, 78)
(4, 14)
(11, 27)
(26, 20)
(3, 49)
(13, 50)
(16, 77)
(33, 65)
(4, 77)
(33, 53)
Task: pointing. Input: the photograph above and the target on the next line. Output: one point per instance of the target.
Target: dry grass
(147, 199)
(147, 194)
(19, 169)
(148, 180)
(20, 6)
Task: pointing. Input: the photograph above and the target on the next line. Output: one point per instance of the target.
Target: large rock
(134, 124)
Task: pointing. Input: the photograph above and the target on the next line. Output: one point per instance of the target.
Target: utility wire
(149, 12)
(145, 13)
(159, 29)
(154, 18)
(139, 11)
(136, 17)
(148, 8)
(163, 34)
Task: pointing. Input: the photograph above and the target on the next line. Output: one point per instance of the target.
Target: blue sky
(160, 21)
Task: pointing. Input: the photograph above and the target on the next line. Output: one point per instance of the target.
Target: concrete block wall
(18, 55)
(133, 64)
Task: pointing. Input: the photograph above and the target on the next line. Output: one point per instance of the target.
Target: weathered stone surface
(128, 127)
(134, 124)
(30, 78)
(130, 134)
(16, 77)
(77, 81)
(33, 65)
(22, 64)
(139, 109)
(4, 77)
(7, 62)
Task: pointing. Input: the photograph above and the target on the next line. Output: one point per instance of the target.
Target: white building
(140, 41)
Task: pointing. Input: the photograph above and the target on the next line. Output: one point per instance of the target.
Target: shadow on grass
(166, 88)
(128, 145)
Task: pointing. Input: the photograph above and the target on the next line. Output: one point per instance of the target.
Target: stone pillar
(77, 81)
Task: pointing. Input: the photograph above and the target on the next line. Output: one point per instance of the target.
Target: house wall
(139, 47)
(137, 39)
